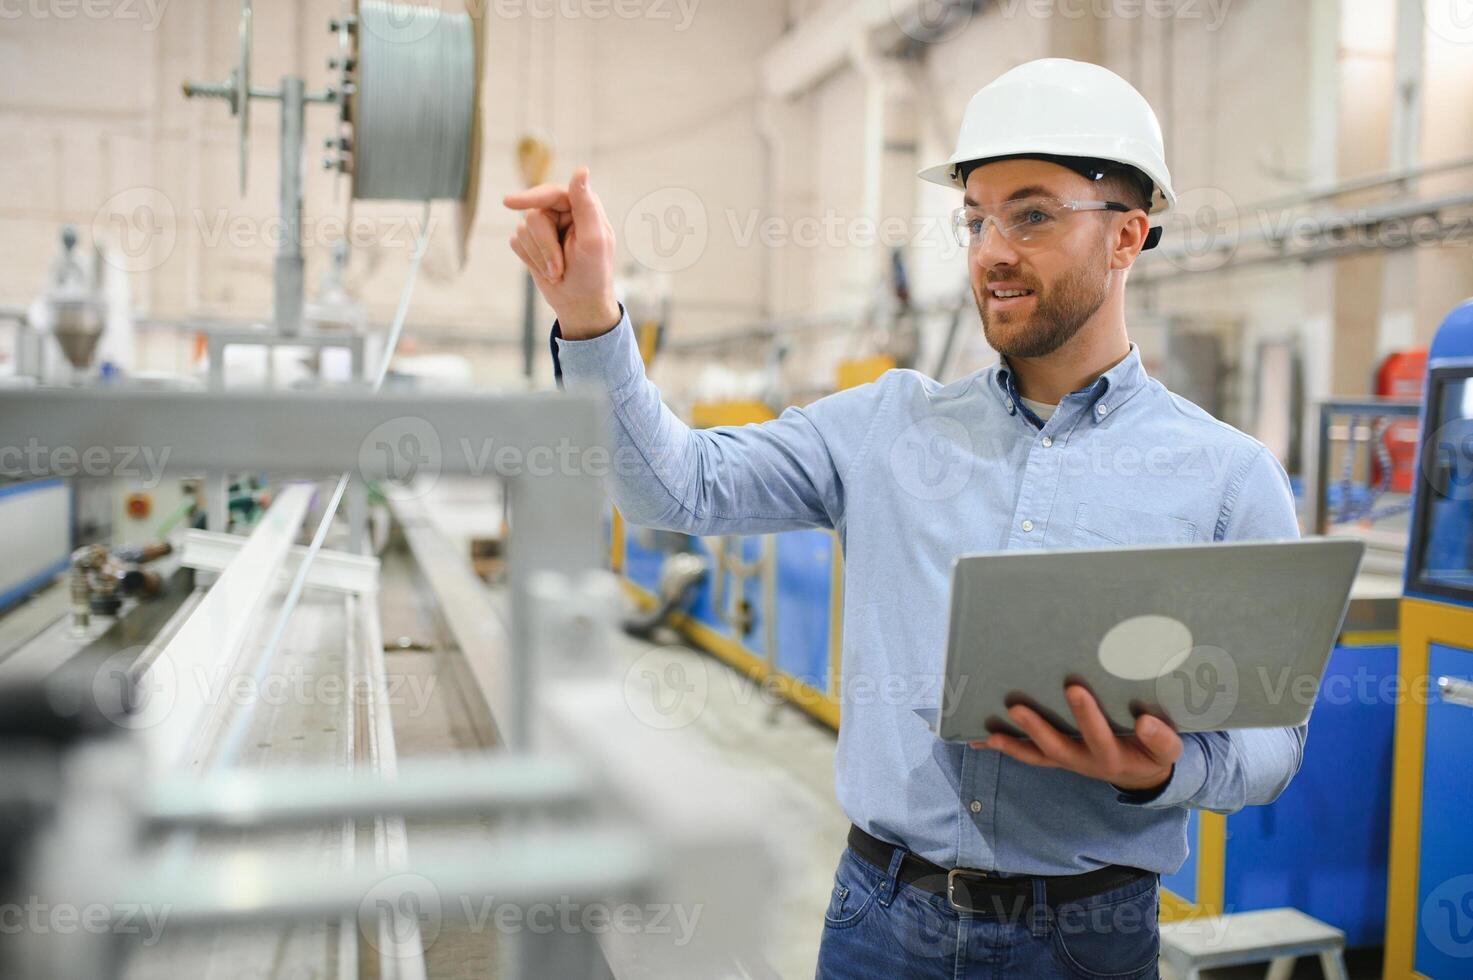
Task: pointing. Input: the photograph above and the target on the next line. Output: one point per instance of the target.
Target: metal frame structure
(631, 822)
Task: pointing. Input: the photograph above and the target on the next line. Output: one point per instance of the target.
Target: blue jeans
(878, 929)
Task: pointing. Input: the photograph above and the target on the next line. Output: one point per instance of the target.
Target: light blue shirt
(912, 473)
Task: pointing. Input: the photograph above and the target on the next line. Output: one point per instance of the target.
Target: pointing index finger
(544, 197)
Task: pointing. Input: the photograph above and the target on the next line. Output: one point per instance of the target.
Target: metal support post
(289, 261)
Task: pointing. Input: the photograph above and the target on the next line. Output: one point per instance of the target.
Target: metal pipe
(1276, 240)
(579, 865)
(400, 945)
(290, 265)
(214, 634)
(287, 797)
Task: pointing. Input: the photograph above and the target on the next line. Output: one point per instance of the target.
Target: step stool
(1275, 936)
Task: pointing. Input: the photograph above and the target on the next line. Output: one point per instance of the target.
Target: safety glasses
(1030, 221)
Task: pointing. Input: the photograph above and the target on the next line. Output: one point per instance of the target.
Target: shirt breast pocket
(1103, 525)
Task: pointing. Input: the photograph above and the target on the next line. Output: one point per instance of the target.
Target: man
(1066, 442)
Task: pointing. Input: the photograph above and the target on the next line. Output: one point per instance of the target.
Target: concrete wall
(98, 135)
(1259, 100)
(748, 207)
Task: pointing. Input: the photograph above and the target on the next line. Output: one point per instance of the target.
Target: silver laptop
(1206, 637)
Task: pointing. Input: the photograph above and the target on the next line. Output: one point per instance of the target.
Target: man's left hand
(1136, 763)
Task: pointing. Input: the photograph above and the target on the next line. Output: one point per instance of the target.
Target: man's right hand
(565, 239)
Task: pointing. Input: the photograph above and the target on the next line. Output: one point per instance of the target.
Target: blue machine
(1373, 834)
(768, 607)
(1429, 932)
(36, 521)
(1316, 848)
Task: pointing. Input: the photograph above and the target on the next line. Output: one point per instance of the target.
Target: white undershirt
(1041, 409)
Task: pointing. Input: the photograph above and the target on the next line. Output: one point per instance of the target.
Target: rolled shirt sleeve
(750, 479)
(1226, 771)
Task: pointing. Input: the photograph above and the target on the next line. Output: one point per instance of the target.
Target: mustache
(1028, 283)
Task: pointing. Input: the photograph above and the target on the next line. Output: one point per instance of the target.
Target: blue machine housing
(1442, 528)
(1430, 930)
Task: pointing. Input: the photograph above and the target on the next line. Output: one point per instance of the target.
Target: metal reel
(235, 90)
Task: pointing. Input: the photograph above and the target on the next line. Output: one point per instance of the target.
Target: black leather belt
(981, 892)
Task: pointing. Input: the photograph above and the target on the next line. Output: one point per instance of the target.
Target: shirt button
(975, 806)
(1008, 405)
(1048, 441)
(1101, 409)
(1027, 525)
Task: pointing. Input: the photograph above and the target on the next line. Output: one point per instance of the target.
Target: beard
(1058, 313)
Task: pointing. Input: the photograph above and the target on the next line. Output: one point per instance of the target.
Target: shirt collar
(1102, 396)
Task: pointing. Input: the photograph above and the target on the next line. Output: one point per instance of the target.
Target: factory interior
(364, 615)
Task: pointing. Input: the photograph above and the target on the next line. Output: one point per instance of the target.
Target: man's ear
(1129, 239)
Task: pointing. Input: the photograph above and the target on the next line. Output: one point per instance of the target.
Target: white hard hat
(1055, 107)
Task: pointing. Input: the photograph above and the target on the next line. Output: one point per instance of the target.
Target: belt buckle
(951, 887)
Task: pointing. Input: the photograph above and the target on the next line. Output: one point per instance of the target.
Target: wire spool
(415, 112)
(416, 84)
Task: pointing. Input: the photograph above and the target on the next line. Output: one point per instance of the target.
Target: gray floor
(783, 753)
